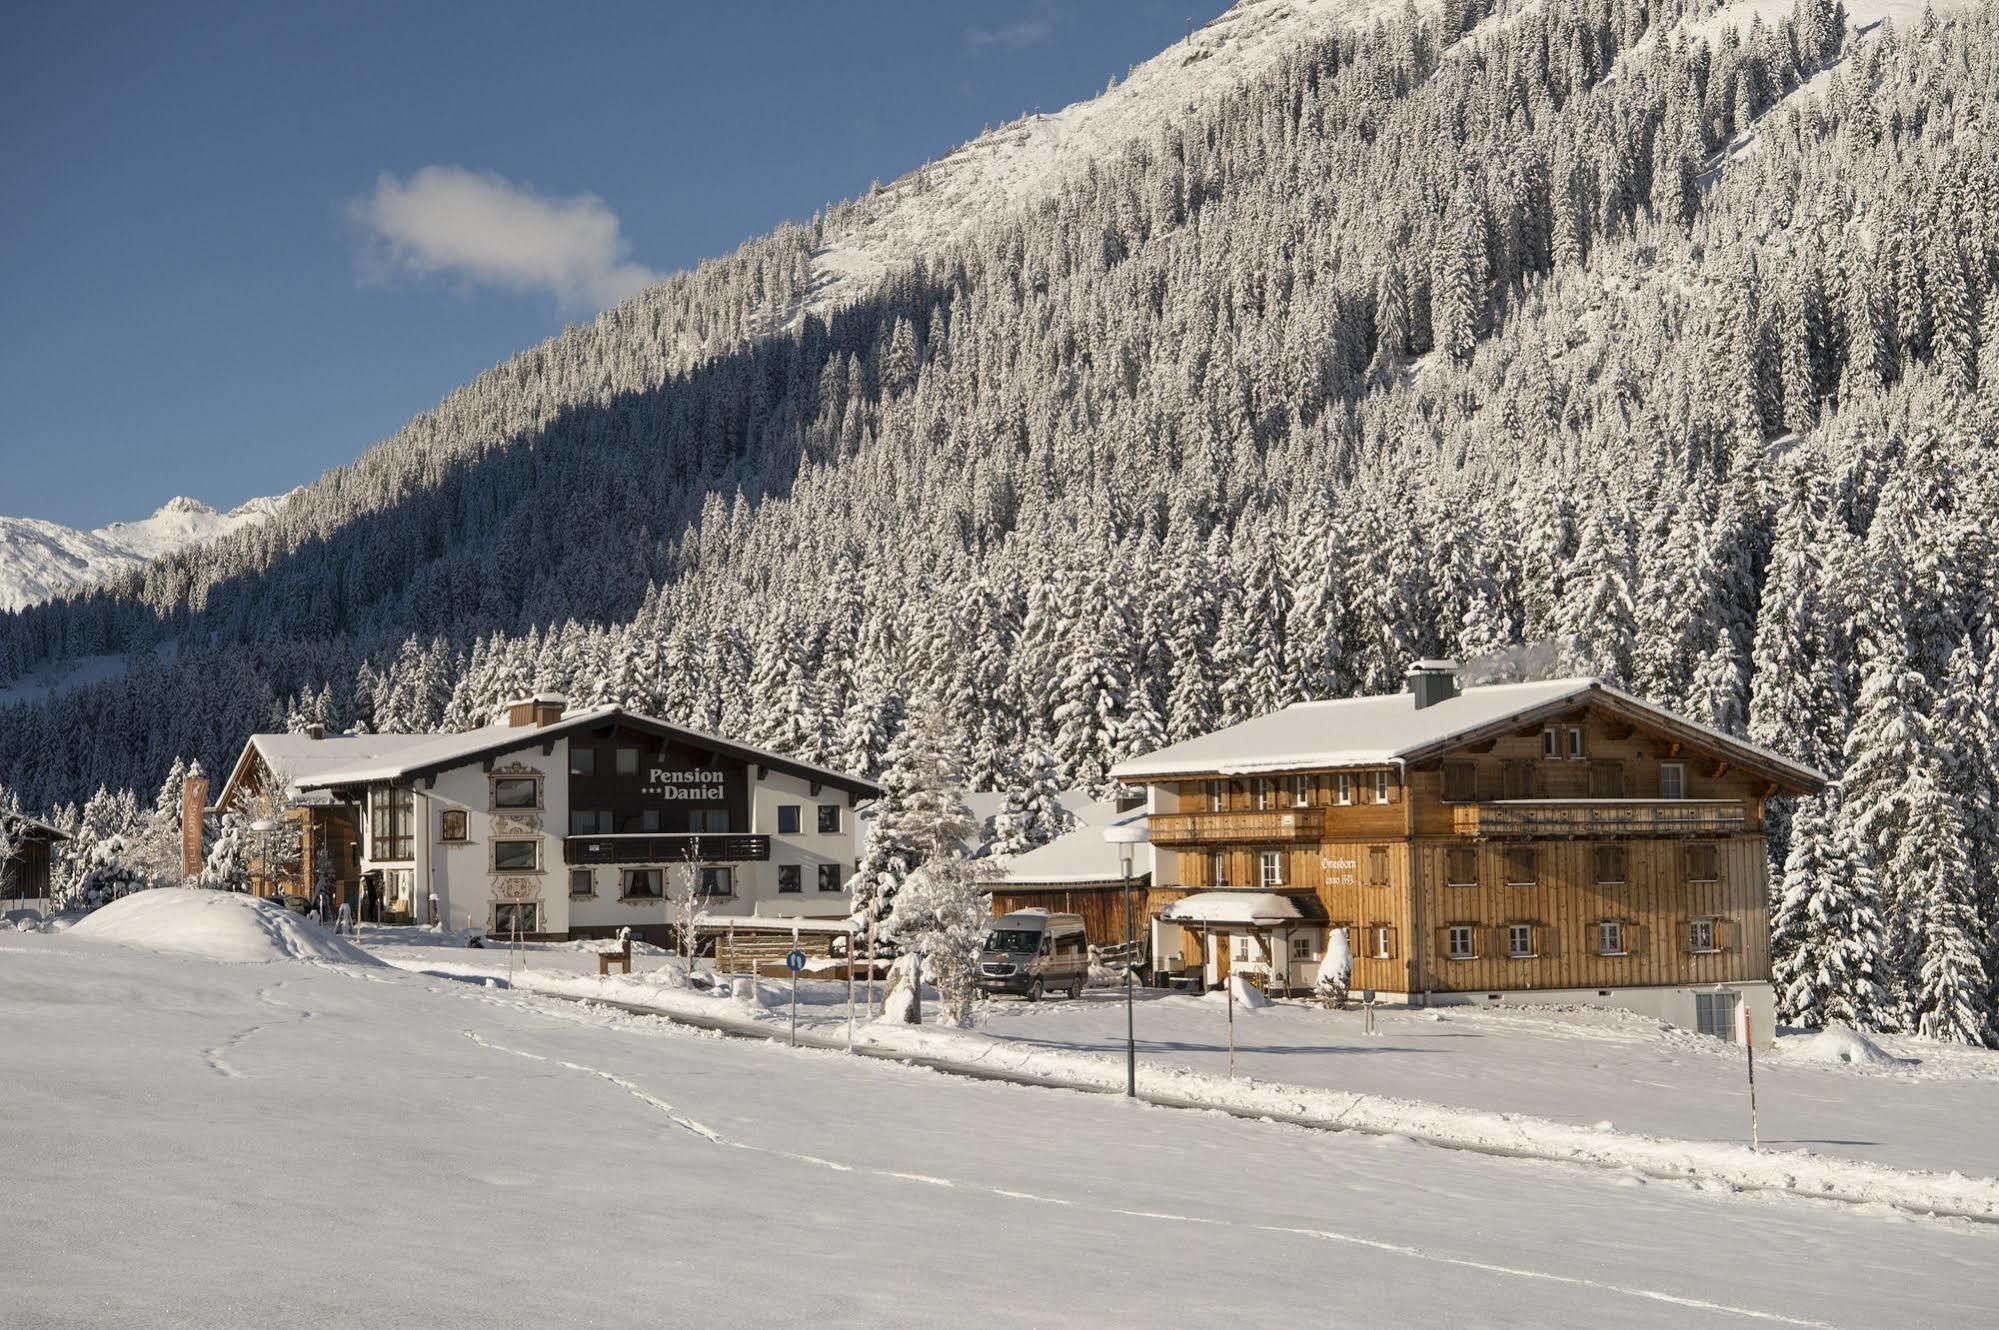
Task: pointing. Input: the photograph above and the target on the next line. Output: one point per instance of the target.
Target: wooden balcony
(709, 848)
(1272, 825)
(1596, 818)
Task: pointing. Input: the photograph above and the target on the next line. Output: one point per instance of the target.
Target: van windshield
(1013, 939)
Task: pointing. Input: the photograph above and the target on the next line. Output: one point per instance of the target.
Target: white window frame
(1381, 787)
(1270, 868)
(1578, 747)
(1453, 934)
(1379, 938)
(1303, 948)
(627, 872)
(1242, 947)
(1214, 796)
(1343, 789)
(1695, 928)
(1551, 743)
(1301, 791)
(1679, 770)
(1520, 942)
(1606, 930)
(1218, 868)
(1264, 795)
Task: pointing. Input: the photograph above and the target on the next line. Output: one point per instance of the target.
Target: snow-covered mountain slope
(41, 560)
(1022, 163)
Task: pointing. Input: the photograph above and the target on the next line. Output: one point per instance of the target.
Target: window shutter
(1444, 942)
(1726, 937)
(1606, 778)
(1637, 937)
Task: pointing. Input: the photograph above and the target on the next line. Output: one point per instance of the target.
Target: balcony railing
(1285, 824)
(1601, 817)
(649, 848)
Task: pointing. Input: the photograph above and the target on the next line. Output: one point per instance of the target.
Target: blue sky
(238, 246)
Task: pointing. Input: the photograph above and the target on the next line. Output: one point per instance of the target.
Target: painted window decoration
(510, 917)
(788, 820)
(1458, 941)
(641, 884)
(516, 856)
(517, 792)
(451, 825)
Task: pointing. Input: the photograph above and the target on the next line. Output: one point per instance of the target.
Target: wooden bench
(620, 955)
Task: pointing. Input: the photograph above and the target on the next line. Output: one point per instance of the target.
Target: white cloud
(474, 226)
(1013, 37)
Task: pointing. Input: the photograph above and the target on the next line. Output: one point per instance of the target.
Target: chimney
(193, 812)
(537, 711)
(1433, 681)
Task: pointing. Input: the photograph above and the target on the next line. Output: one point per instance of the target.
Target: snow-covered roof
(1390, 728)
(22, 822)
(363, 759)
(1078, 856)
(1232, 907)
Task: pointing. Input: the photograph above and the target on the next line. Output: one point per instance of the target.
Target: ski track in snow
(709, 1134)
(218, 1056)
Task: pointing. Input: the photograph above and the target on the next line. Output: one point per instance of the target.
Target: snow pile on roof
(1837, 1045)
(1232, 907)
(218, 926)
(1079, 855)
(1390, 727)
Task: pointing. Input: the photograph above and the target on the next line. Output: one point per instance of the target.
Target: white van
(1030, 952)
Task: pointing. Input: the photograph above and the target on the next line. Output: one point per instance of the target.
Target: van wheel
(1033, 993)
(1076, 990)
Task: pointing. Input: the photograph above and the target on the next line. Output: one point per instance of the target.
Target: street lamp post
(1128, 836)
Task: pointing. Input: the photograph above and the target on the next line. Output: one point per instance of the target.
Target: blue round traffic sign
(795, 961)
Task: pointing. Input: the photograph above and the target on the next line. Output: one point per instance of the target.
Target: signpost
(1749, 1044)
(794, 960)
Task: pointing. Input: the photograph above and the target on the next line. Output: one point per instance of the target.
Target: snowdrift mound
(1246, 994)
(1836, 1045)
(218, 926)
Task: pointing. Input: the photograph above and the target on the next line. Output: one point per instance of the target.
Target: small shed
(25, 874)
(1078, 872)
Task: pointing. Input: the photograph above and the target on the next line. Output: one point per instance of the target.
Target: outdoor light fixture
(1128, 836)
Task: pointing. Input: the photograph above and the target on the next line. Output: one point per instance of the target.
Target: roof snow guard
(1394, 729)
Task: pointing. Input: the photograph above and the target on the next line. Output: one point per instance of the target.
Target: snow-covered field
(195, 1142)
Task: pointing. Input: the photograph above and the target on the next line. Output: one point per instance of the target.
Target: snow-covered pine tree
(1033, 814)
(1826, 939)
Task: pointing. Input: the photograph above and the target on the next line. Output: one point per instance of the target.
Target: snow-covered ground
(195, 1142)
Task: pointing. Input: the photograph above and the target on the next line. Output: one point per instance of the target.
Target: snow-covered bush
(107, 875)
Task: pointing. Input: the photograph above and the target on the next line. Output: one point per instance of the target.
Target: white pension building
(563, 824)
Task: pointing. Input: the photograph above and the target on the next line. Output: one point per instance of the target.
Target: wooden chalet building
(558, 824)
(1560, 841)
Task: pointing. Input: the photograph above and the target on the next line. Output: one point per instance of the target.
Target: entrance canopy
(1242, 909)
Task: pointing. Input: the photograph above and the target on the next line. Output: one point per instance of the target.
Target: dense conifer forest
(1665, 343)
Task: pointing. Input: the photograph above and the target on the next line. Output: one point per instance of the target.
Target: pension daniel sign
(697, 786)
